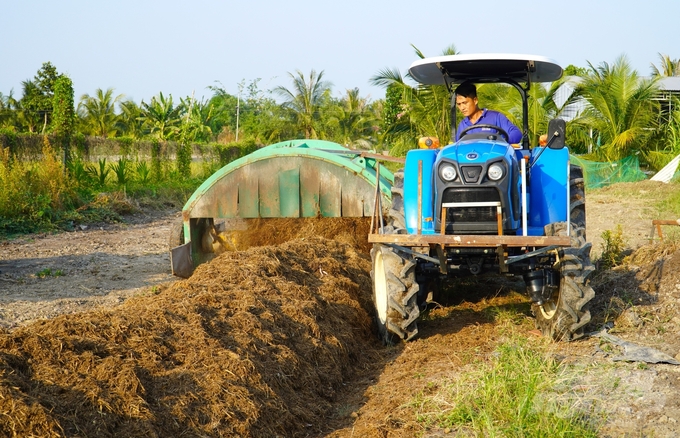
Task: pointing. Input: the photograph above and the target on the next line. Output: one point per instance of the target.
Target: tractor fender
(413, 158)
(548, 187)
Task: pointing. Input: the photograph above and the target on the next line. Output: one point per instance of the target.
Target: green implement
(291, 179)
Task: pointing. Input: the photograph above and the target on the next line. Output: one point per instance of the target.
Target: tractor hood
(474, 151)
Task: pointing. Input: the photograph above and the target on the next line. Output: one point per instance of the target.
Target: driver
(466, 101)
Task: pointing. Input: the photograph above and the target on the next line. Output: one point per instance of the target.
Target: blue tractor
(482, 205)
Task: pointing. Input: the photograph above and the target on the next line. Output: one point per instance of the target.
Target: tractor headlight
(495, 172)
(447, 172)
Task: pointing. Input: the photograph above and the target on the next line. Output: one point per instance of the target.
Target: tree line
(619, 112)
(307, 110)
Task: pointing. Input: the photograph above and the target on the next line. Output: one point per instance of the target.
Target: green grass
(519, 391)
(671, 203)
(47, 272)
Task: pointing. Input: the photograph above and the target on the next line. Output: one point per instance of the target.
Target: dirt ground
(98, 339)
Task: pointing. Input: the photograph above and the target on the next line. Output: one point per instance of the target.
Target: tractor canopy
(504, 68)
(486, 67)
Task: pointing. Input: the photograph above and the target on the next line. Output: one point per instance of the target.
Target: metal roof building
(669, 88)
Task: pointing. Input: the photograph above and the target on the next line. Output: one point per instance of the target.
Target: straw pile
(255, 343)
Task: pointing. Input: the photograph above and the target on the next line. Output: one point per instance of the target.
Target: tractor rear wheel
(577, 197)
(396, 214)
(395, 292)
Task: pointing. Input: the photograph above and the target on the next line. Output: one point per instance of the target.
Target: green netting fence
(600, 174)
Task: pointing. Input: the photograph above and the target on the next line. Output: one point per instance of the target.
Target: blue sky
(141, 48)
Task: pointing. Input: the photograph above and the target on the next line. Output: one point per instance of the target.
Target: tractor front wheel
(565, 313)
(395, 292)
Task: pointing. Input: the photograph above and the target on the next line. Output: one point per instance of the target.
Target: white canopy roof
(485, 67)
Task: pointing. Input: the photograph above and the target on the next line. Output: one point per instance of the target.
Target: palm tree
(541, 101)
(305, 100)
(669, 67)
(129, 121)
(98, 112)
(9, 111)
(160, 118)
(621, 109)
(424, 110)
(353, 121)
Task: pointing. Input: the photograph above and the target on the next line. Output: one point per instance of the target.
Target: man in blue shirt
(467, 103)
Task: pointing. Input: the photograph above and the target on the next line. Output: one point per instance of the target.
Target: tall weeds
(31, 194)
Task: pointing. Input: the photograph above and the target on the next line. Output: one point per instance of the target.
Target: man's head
(466, 98)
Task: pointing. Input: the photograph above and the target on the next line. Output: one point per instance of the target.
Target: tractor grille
(471, 214)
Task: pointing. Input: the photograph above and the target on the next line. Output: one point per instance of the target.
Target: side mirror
(556, 133)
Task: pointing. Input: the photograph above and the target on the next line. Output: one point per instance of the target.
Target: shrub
(184, 160)
(143, 172)
(100, 173)
(122, 170)
(33, 194)
(156, 170)
(79, 173)
(612, 248)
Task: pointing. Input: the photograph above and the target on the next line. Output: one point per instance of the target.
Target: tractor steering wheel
(498, 129)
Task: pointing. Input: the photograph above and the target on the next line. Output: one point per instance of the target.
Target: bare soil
(98, 339)
(45, 275)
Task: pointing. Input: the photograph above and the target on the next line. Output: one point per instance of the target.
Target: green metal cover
(298, 178)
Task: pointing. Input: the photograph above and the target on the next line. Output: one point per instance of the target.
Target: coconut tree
(160, 118)
(352, 121)
(542, 101)
(9, 110)
(129, 121)
(621, 110)
(305, 100)
(97, 113)
(668, 66)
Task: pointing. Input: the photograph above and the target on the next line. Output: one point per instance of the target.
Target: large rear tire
(564, 315)
(395, 292)
(577, 197)
(396, 214)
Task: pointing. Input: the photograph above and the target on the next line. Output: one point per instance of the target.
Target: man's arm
(461, 126)
(513, 131)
